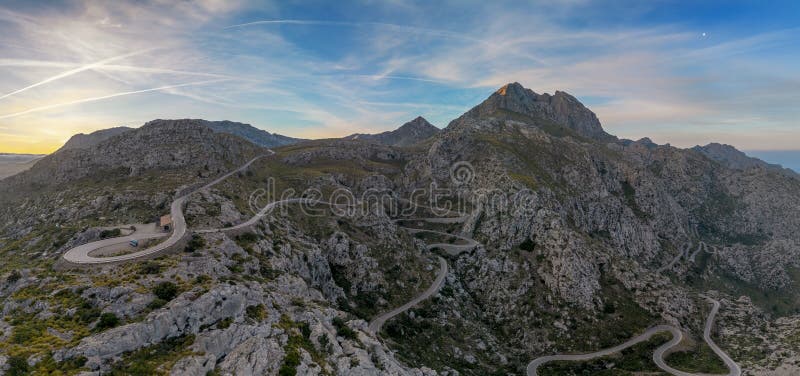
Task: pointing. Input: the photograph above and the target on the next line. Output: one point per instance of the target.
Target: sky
(679, 72)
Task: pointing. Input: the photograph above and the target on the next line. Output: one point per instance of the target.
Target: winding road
(658, 354)
(81, 254)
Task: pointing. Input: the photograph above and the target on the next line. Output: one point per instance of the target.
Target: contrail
(74, 71)
(103, 67)
(93, 99)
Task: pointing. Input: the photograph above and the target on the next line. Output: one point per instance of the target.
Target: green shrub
(149, 267)
(87, 313)
(165, 290)
(290, 363)
(113, 233)
(343, 330)
(107, 320)
(256, 312)
(17, 366)
(13, 277)
(201, 279)
(225, 323)
(149, 360)
(247, 238)
(156, 303)
(195, 243)
(527, 245)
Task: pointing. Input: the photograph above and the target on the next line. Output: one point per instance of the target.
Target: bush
(105, 234)
(343, 330)
(87, 313)
(165, 290)
(290, 363)
(13, 277)
(150, 267)
(17, 366)
(107, 320)
(156, 303)
(195, 243)
(528, 245)
(256, 312)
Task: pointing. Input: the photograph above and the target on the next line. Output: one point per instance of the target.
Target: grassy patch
(299, 338)
(701, 360)
(637, 358)
(153, 360)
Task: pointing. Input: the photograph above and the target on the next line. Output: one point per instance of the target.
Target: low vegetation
(700, 360)
(631, 361)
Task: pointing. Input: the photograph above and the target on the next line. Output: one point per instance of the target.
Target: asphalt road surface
(658, 355)
(80, 254)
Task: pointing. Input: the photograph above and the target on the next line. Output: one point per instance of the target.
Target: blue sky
(684, 73)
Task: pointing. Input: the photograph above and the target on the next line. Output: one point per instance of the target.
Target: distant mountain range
(735, 159)
(250, 133)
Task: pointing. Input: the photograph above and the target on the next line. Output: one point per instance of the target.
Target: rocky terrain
(585, 240)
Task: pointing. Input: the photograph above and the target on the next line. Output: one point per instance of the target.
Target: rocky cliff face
(408, 134)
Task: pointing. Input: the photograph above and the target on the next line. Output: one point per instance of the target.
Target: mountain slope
(84, 141)
(408, 134)
(159, 144)
(575, 223)
(250, 133)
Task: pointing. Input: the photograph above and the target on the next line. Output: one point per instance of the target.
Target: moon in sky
(704, 34)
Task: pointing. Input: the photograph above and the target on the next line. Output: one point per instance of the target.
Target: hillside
(85, 141)
(523, 229)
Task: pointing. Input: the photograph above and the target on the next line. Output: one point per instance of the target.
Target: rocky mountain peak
(408, 134)
(561, 108)
(513, 89)
(419, 124)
